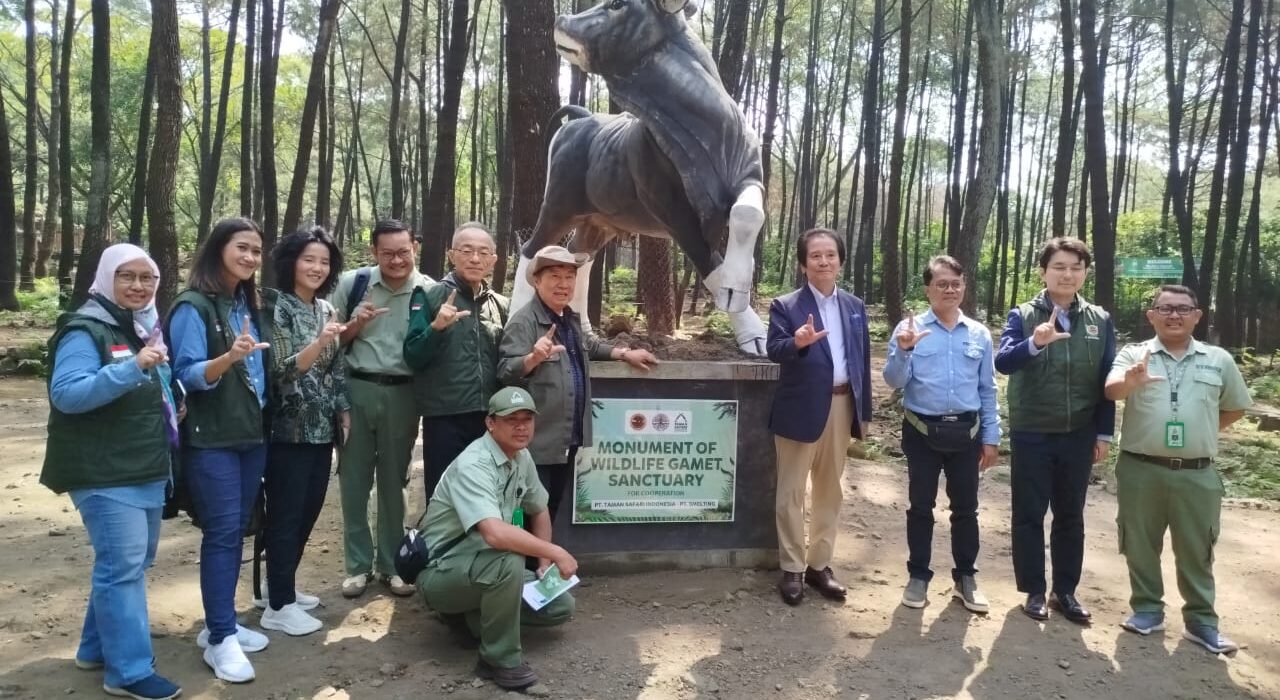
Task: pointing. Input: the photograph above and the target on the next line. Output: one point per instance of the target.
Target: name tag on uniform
(1174, 435)
(121, 352)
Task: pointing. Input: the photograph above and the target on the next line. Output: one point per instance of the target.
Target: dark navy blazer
(803, 399)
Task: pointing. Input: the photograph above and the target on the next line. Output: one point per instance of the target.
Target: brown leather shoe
(826, 583)
(517, 678)
(791, 587)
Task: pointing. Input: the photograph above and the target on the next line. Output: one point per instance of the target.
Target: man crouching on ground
(473, 529)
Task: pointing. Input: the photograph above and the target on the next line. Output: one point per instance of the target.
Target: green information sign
(1150, 268)
(658, 461)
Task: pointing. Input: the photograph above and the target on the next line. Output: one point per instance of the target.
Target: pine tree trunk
(267, 136)
(138, 200)
(889, 252)
(26, 280)
(67, 247)
(532, 96)
(211, 161)
(1095, 156)
(247, 145)
(440, 202)
(53, 138)
(328, 21)
(162, 176)
(394, 145)
(97, 220)
(8, 221)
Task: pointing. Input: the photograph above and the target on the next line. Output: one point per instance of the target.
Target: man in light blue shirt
(943, 362)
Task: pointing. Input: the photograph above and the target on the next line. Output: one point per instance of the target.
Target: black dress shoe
(1070, 607)
(826, 583)
(1035, 607)
(791, 587)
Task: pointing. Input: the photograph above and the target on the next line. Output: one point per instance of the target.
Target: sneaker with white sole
(305, 601)
(153, 687)
(398, 586)
(1144, 623)
(250, 641)
(291, 619)
(973, 600)
(228, 661)
(354, 586)
(916, 594)
(1209, 638)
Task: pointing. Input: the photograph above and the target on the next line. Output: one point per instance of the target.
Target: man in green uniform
(1178, 394)
(473, 530)
(384, 418)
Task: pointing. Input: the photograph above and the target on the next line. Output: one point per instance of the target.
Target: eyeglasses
(473, 252)
(392, 256)
(132, 278)
(955, 285)
(1170, 309)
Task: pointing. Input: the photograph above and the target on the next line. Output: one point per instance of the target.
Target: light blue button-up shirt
(948, 371)
(190, 348)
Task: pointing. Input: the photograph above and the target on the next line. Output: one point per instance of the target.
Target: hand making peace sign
(806, 335)
(1048, 332)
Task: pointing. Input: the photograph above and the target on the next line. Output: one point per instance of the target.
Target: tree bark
(247, 144)
(871, 150)
(889, 252)
(329, 10)
(26, 280)
(653, 285)
(8, 221)
(440, 203)
(966, 244)
(67, 250)
(52, 139)
(1066, 122)
(267, 135)
(138, 200)
(734, 45)
(1095, 155)
(394, 146)
(162, 230)
(97, 220)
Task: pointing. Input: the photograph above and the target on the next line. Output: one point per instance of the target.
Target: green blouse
(307, 403)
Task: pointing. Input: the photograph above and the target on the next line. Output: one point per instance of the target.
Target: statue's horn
(672, 6)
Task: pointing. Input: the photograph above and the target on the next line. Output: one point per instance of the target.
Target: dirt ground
(716, 633)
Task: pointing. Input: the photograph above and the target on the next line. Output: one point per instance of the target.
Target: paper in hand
(539, 592)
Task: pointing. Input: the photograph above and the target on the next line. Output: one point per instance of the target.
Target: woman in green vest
(217, 327)
(112, 424)
(309, 412)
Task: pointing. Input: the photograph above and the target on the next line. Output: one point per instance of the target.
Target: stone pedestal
(750, 540)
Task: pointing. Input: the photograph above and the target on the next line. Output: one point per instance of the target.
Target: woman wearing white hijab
(112, 426)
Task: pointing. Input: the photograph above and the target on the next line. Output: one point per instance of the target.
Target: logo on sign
(661, 422)
(637, 421)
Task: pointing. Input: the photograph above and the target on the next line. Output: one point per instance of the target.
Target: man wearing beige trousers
(818, 334)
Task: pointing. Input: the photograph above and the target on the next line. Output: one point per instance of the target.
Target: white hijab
(145, 320)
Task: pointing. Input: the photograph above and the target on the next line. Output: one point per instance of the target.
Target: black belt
(1174, 463)
(966, 417)
(840, 389)
(384, 379)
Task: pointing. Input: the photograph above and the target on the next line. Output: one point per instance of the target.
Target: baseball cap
(508, 400)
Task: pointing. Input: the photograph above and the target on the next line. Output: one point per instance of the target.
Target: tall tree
(394, 145)
(1066, 121)
(871, 149)
(162, 230)
(53, 139)
(1095, 157)
(893, 202)
(734, 45)
(247, 144)
(329, 10)
(31, 173)
(966, 243)
(1175, 75)
(8, 221)
(440, 203)
(97, 227)
(211, 147)
(66, 253)
(138, 200)
(267, 64)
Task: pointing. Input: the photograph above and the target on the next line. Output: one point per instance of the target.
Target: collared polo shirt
(829, 309)
(481, 483)
(379, 348)
(948, 371)
(1206, 380)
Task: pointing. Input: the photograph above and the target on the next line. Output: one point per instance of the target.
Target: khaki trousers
(822, 463)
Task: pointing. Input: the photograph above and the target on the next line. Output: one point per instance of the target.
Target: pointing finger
(911, 322)
(819, 335)
(461, 315)
(261, 346)
(379, 312)
(809, 323)
(551, 333)
(452, 295)
(244, 330)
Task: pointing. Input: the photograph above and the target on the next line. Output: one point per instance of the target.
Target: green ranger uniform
(384, 424)
(472, 578)
(1155, 490)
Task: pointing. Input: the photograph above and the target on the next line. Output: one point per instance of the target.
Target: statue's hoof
(753, 346)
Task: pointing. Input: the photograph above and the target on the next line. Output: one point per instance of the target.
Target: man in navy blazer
(818, 334)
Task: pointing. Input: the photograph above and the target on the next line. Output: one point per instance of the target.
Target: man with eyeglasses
(384, 417)
(1178, 394)
(942, 360)
(455, 328)
(1057, 350)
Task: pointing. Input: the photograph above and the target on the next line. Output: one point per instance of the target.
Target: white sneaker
(228, 661)
(355, 586)
(250, 641)
(291, 619)
(302, 600)
(398, 586)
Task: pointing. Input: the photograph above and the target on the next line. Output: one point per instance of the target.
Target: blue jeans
(224, 486)
(124, 541)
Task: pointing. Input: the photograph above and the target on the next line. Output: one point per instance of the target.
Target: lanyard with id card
(1174, 430)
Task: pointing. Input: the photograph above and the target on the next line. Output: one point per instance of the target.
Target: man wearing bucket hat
(473, 531)
(545, 350)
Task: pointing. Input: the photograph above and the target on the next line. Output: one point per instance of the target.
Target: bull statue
(681, 162)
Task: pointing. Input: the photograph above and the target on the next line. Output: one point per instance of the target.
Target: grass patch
(36, 308)
(1247, 462)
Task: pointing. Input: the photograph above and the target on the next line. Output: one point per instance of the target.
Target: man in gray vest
(1057, 350)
